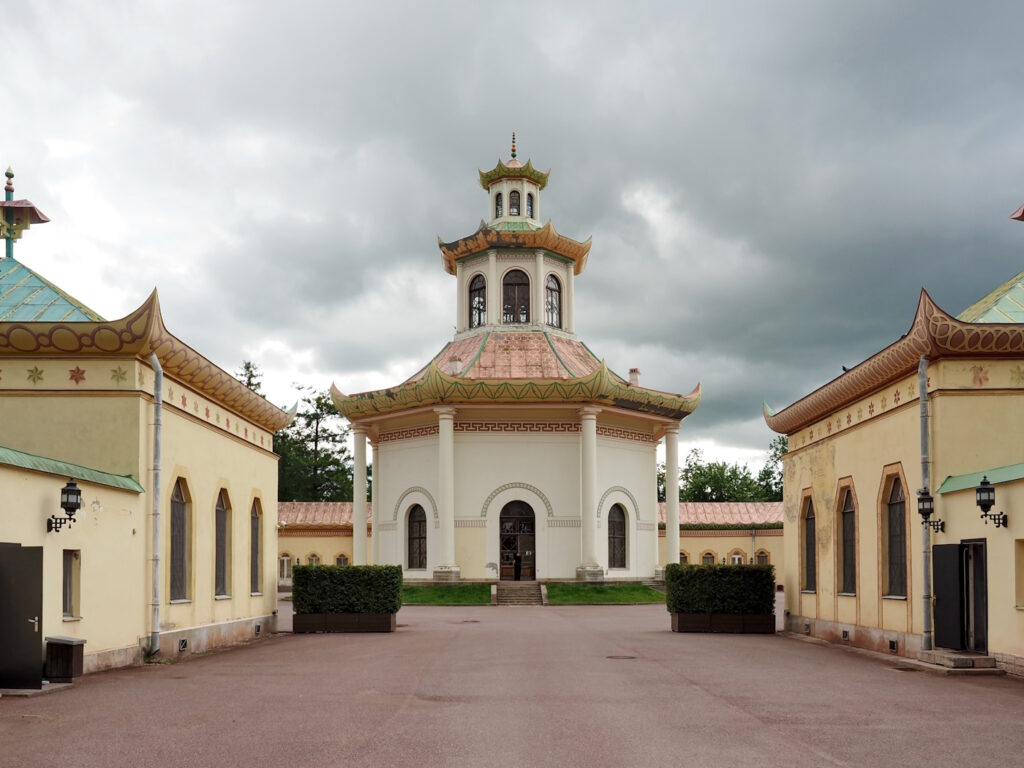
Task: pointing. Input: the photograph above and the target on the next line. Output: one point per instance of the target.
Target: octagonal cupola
(513, 190)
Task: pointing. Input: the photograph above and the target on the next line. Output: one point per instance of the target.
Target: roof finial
(513, 145)
(9, 188)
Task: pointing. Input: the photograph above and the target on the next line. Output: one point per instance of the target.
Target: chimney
(634, 377)
(454, 366)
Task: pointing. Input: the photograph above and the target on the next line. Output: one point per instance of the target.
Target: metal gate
(21, 616)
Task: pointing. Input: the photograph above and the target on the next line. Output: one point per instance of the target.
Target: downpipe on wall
(158, 395)
(926, 531)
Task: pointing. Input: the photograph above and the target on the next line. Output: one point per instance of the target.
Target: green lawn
(602, 594)
(453, 594)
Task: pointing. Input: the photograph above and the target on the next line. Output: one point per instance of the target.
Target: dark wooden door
(517, 542)
(948, 582)
(21, 616)
(977, 595)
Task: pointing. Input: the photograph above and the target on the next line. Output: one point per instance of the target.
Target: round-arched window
(515, 297)
(553, 302)
(513, 203)
(417, 537)
(499, 210)
(477, 302)
(616, 537)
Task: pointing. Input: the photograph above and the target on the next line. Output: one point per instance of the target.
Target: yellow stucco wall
(976, 422)
(725, 543)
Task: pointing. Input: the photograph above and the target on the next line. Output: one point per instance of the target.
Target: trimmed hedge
(720, 588)
(347, 588)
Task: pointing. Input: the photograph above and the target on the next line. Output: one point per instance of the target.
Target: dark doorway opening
(960, 576)
(21, 616)
(518, 555)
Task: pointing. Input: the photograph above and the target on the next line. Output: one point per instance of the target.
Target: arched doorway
(518, 551)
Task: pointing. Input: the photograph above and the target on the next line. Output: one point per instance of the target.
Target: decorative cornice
(485, 238)
(934, 333)
(435, 387)
(514, 171)
(138, 334)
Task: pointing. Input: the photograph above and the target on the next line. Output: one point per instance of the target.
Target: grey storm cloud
(768, 186)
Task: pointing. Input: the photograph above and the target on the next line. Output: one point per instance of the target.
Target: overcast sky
(768, 185)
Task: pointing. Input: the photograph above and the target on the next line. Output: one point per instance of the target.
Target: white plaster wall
(626, 476)
(408, 465)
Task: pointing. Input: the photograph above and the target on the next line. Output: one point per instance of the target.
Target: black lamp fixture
(70, 502)
(985, 495)
(925, 508)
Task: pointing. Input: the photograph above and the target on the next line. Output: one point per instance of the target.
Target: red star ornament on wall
(76, 375)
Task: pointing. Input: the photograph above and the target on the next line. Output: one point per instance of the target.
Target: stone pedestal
(589, 573)
(447, 573)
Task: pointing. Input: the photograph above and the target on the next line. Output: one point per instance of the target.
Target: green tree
(250, 375)
(770, 476)
(716, 480)
(315, 464)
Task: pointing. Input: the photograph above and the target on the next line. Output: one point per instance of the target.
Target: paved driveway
(521, 687)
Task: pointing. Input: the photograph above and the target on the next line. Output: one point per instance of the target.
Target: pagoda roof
(543, 238)
(138, 334)
(934, 333)
(514, 170)
(27, 295)
(726, 512)
(503, 367)
(1004, 305)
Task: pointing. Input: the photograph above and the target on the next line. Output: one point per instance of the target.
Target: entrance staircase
(519, 593)
(961, 662)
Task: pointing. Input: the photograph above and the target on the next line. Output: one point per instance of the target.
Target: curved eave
(934, 333)
(502, 171)
(485, 238)
(138, 334)
(436, 387)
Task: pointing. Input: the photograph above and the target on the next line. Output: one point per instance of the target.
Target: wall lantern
(70, 502)
(985, 494)
(925, 508)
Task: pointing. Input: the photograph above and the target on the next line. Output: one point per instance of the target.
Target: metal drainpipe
(926, 531)
(158, 398)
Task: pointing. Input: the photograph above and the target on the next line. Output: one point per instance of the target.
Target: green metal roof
(995, 476)
(28, 297)
(24, 460)
(1004, 305)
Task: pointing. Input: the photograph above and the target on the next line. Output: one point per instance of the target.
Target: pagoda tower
(515, 453)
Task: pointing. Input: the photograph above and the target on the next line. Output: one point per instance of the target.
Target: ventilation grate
(182, 645)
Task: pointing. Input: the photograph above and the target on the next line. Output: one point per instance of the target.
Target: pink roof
(1018, 214)
(318, 513)
(726, 512)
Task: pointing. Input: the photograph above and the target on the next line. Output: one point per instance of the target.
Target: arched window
(736, 557)
(848, 545)
(761, 558)
(529, 205)
(515, 297)
(708, 558)
(477, 302)
(513, 203)
(313, 560)
(810, 567)
(222, 544)
(499, 210)
(616, 537)
(341, 559)
(181, 540)
(896, 542)
(255, 547)
(284, 570)
(553, 302)
(417, 538)
(684, 558)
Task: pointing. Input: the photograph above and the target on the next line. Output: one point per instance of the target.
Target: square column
(672, 494)
(358, 495)
(588, 569)
(446, 569)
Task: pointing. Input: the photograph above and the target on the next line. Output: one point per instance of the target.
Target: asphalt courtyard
(489, 686)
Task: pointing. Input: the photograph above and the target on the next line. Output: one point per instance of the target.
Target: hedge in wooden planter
(721, 598)
(346, 598)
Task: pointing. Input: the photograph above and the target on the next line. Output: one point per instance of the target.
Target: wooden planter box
(343, 622)
(734, 623)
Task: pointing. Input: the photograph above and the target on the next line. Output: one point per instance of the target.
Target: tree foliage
(701, 480)
(250, 375)
(315, 463)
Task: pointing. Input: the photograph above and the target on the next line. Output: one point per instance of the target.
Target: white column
(588, 569)
(672, 495)
(359, 496)
(375, 511)
(446, 569)
(493, 290)
(568, 322)
(462, 299)
(538, 291)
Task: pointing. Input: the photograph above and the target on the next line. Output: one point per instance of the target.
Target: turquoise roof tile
(28, 297)
(13, 458)
(1004, 305)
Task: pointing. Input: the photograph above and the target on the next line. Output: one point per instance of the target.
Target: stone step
(519, 593)
(957, 659)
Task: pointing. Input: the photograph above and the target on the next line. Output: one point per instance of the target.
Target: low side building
(727, 532)
(314, 533)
